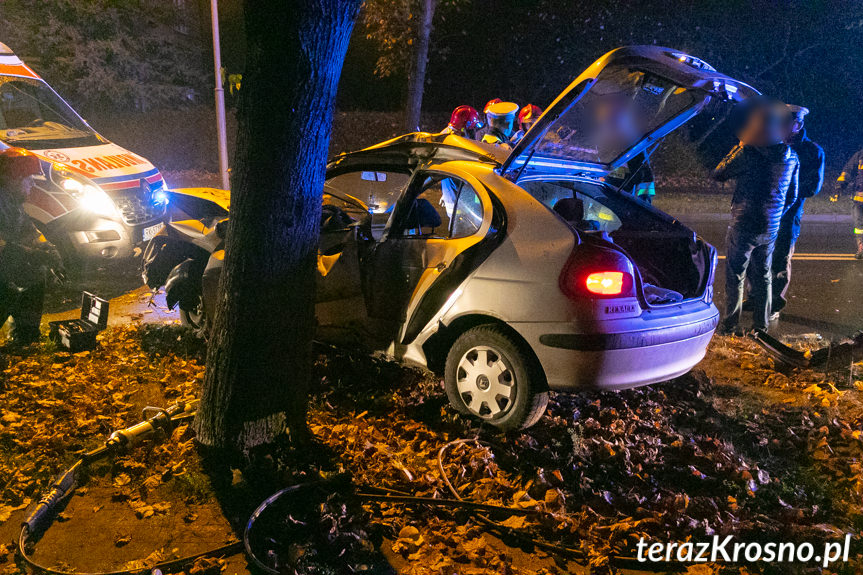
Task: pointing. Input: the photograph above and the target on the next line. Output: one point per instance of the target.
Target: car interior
(673, 263)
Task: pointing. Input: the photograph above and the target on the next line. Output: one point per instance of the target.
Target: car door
(439, 217)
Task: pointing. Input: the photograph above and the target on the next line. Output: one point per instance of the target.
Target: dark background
(141, 70)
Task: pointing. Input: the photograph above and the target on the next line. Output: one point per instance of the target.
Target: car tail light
(598, 273)
(604, 283)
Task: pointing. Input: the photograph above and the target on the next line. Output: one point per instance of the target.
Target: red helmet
(490, 103)
(465, 117)
(17, 164)
(528, 115)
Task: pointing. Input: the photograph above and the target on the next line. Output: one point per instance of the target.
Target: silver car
(513, 273)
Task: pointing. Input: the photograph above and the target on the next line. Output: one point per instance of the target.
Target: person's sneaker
(775, 316)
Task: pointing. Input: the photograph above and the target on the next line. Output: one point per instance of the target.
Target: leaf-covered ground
(735, 447)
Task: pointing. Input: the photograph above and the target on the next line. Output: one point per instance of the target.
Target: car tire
(491, 375)
(194, 318)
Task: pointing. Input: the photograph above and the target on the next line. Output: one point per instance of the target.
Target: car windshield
(623, 106)
(33, 116)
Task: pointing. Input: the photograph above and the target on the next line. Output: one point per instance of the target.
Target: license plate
(150, 232)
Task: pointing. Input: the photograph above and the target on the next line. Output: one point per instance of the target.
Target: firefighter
(766, 172)
(851, 179)
(465, 122)
(527, 117)
(636, 178)
(501, 123)
(25, 256)
(811, 178)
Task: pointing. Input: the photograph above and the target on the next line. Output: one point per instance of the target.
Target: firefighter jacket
(851, 177)
(636, 177)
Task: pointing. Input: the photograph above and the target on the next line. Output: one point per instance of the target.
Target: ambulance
(94, 199)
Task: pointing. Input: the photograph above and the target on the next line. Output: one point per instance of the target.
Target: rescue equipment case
(80, 334)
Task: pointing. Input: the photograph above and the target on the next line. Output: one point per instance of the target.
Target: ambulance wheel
(491, 375)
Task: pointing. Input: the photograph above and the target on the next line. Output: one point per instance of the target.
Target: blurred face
(764, 128)
(503, 124)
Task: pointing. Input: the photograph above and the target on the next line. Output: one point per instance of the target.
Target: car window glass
(468, 213)
(378, 190)
(585, 211)
(445, 208)
(428, 215)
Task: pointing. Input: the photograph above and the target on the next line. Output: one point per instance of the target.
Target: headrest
(570, 209)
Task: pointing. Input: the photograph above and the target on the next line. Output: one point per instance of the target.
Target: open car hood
(622, 104)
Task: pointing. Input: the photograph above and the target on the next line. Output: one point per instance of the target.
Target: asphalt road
(826, 281)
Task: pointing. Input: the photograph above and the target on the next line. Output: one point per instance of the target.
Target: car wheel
(490, 375)
(195, 317)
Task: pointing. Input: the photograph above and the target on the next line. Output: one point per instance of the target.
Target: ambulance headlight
(90, 197)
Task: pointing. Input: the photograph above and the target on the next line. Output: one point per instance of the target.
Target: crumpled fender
(162, 255)
(183, 285)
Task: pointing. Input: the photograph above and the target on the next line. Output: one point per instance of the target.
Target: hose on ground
(165, 420)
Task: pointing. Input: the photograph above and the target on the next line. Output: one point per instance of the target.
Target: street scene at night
(431, 287)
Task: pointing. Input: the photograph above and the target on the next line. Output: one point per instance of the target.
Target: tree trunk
(259, 359)
(417, 80)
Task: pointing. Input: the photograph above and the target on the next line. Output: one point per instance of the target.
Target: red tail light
(605, 283)
(596, 273)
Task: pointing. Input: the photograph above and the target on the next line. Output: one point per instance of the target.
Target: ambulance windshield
(33, 116)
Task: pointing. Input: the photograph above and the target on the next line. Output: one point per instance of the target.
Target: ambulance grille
(138, 208)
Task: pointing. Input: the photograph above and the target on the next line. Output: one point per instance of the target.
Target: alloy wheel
(485, 382)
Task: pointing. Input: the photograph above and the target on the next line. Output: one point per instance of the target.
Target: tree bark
(417, 79)
(259, 358)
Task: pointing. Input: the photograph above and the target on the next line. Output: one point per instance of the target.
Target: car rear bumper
(621, 359)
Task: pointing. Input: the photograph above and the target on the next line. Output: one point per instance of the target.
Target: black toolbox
(80, 334)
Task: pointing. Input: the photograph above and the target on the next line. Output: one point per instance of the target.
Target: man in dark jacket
(766, 171)
(25, 256)
(851, 179)
(811, 179)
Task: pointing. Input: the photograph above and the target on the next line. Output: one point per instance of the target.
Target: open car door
(425, 253)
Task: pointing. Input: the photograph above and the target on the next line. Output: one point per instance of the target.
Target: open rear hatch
(618, 108)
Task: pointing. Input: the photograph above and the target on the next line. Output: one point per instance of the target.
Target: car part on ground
(842, 353)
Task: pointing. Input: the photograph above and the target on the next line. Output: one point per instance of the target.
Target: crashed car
(94, 199)
(512, 274)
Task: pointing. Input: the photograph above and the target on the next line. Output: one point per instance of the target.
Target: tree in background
(116, 54)
(402, 29)
(260, 351)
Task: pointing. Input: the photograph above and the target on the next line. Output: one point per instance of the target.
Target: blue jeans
(752, 251)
